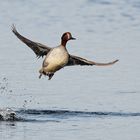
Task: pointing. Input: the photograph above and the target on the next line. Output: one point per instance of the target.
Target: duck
(57, 57)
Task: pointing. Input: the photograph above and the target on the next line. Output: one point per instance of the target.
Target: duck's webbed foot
(50, 75)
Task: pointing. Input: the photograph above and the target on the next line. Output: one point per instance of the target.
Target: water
(100, 103)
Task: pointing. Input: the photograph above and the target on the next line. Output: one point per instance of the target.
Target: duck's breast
(57, 58)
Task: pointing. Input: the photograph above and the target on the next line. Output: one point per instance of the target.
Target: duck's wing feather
(75, 60)
(38, 48)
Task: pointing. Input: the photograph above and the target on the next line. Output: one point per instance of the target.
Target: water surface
(105, 30)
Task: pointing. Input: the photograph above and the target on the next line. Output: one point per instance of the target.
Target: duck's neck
(63, 43)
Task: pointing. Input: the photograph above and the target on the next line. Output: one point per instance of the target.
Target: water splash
(7, 115)
(4, 86)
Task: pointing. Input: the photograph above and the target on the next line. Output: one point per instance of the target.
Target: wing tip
(13, 28)
(115, 61)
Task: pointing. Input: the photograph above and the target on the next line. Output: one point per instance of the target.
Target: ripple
(33, 115)
(102, 2)
(55, 115)
(74, 113)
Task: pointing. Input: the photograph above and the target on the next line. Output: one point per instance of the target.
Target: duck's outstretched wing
(75, 60)
(38, 48)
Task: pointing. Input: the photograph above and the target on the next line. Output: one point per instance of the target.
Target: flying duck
(57, 57)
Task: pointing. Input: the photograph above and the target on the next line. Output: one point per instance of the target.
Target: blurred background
(105, 30)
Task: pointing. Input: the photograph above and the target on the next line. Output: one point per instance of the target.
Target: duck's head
(66, 37)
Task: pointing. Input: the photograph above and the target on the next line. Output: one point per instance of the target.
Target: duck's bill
(72, 38)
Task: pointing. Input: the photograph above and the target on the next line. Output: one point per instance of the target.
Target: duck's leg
(41, 72)
(50, 76)
(40, 75)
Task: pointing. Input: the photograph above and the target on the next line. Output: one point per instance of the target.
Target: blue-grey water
(79, 103)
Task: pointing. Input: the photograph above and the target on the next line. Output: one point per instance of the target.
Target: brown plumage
(57, 57)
